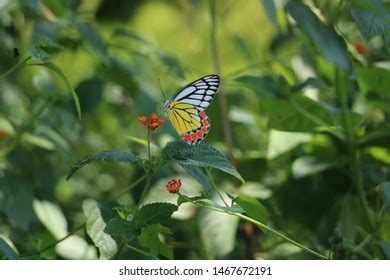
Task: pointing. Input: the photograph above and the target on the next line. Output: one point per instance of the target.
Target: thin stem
(261, 225)
(129, 188)
(145, 190)
(138, 250)
(353, 157)
(222, 97)
(215, 187)
(267, 228)
(56, 242)
(149, 144)
(15, 67)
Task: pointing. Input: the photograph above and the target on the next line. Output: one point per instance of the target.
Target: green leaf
(76, 248)
(59, 72)
(51, 216)
(309, 165)
(198, 174)
(7, 250)
(349, 218)
(270, 10)
(218, 232)
(296, 114)
(150, 239)
(92, 37)
(253, 208)
(16, 203)
(119, 227)
(386, 193)
(371, 17)
(154, 213)
(374, 79)
(386, 248)
(331, 46)
(202, 155)
(264, 86)
(97, 216)
(109, 156)
(311, 82)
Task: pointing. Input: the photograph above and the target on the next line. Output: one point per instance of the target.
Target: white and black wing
(199, 93)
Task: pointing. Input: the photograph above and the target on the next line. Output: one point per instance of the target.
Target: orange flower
(151, 122)
(361, 48)
(2, 134)
(173, 186)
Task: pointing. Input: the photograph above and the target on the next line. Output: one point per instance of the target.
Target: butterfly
(185, 109)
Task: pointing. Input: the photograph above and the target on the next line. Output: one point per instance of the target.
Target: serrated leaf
(7, 250)
(253, 208)
(202, 155)
(370, 17)
(150, 239)
(331, 46)
(38, 54)
(59, 72)
(97, 216)
(119, 227)
(154, 213)
(108, 156)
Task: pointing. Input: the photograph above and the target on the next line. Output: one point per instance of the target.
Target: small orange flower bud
(173, 186)
(2, 134)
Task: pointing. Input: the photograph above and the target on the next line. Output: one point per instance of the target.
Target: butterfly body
(186, 109)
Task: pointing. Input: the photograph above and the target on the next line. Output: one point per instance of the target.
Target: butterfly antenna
(160, 87)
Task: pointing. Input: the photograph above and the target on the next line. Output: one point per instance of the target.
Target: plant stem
(215, 187)
(56, 242)
(129, 188)
(259, 224)
(15, 67)
(149, 144)
(222, 97)
(145, 190)
(267, 228)
(138, 250)
(353, 157)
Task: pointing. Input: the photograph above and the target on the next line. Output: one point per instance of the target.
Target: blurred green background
(283, 110)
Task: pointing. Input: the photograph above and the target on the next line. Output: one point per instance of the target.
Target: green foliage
(253, 208)
(202, 155)
(307, 109)
(109, 156)
(150, 238)
(326, 40)
(7, 250)
(153, 213)
(97, 216)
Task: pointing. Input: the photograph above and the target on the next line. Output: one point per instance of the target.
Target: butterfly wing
(186, 110)
(199, 93)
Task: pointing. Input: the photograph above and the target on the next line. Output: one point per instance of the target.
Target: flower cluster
(173, 186)
(151, 122)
